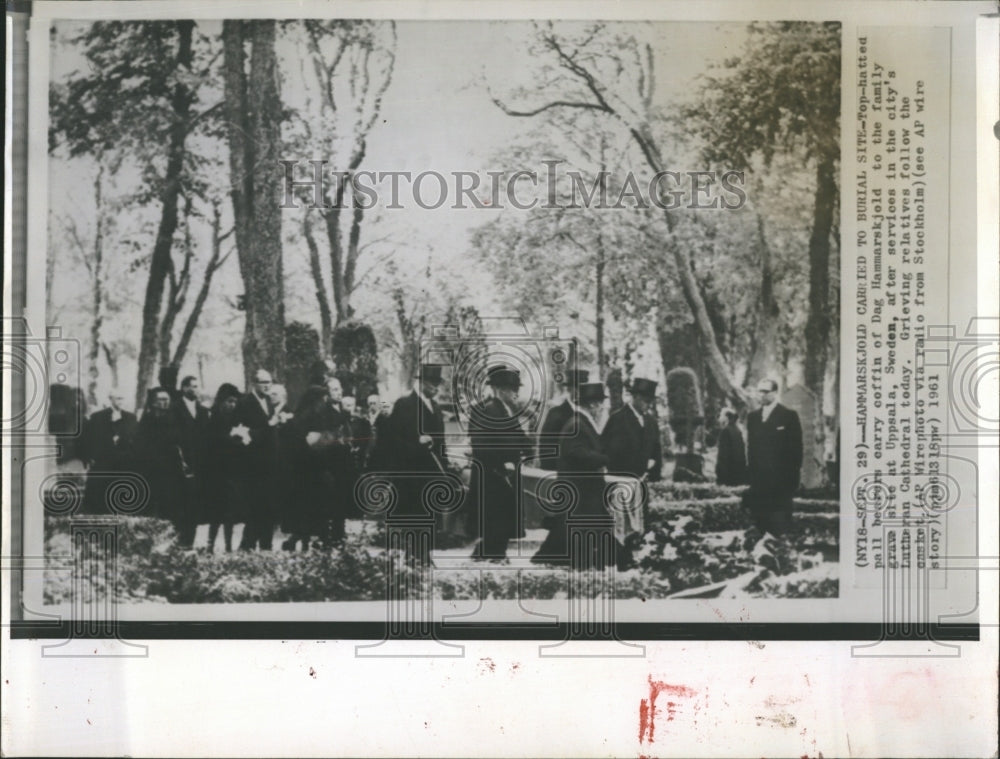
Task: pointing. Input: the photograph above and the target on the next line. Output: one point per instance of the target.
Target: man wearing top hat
(559, 412)
(632, 436)
(416, 441)
(581, 464)
(497, 439)
(631, 439)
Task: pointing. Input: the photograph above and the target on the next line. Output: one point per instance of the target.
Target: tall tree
(783, 95)
(346, 72)
(253, 115)
(139, 98)
(589, 72)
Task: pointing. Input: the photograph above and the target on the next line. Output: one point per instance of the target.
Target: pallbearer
(581, 464)
(560, 411)
(416, 453)
(631, 439)
(497, 439)
(632, 435)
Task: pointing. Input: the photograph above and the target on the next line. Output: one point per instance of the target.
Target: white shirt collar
(192, 405)
(584, 412)
(560, 399)
(765, 411)
(642, 422)
(425, 399)
(116, 414)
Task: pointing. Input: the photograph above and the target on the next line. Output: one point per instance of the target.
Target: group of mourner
(251, 459)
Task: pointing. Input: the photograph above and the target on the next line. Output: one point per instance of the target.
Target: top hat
(645, 387)
(575, 377)
(503, 376)
(591, 392)
(431, 373)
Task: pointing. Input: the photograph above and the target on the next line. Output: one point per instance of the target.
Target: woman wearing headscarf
(224, 457)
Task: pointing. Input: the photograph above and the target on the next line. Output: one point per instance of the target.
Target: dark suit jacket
(580, 458)
(409, 420)
(551, 432)
(774, 451)
(100, 450)
(731, 464)
(630, 445)
(497, 439)
(379, 449)
(193, 432)
(260, 452)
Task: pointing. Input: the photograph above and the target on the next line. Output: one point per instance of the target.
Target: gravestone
(800, 400)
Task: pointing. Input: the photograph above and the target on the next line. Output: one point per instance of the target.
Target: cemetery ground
(698, 542)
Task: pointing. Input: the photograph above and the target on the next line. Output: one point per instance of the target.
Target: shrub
(302, 352)
(684, 403)
(355, 352)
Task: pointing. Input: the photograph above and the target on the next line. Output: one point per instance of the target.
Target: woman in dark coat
(306, 442)
(223, 462)
(731, 464)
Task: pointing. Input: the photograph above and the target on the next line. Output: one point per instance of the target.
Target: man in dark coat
(559, 412)
(108, 448)
(253, 415)
(497, 439)
(774, 460)
(378, 430)
(158, 454)
(416, 429)
(731, 462)
(192, 424)
(631, 436)
(631, 439)
(582, 462)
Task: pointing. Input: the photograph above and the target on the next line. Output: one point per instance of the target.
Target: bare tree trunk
(214, 263)
(253, 112)
(599, 306)
(332, 218)
(353, 251)
(97, 294)
(177, 294)
(181, 100)
(818, 322)
(111, 356)
(765, 362)
(325, 317)
(343, 263)
(409, 345)
(265, 112)
(714, 360)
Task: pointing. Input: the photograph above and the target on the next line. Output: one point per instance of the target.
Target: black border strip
(630, 631)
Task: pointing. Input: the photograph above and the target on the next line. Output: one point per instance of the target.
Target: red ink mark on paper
(515, 667)
(312, 673)
(487, 662)
(647, 707)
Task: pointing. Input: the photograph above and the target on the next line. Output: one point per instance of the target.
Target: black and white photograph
(500, 379)
(312, 265)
